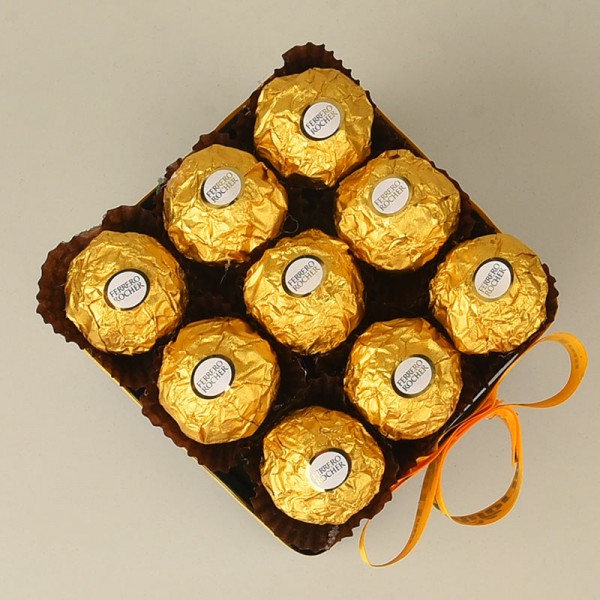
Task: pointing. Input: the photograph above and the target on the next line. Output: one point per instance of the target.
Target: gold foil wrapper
(321, 466)
(404, 377)
(124, 292)
(221, 204)
(397, 211)
(307, 292)
(490, 294)
(218, 380)
(316, 124)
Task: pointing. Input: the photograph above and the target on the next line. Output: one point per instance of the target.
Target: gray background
(97, 98)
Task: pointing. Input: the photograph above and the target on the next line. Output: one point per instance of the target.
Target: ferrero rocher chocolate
(316, 124)
(321, 466)
(124, 292)
(218, 380)
(307, 292)
(490, 294)
(397, 211)
(221, 204)
(404, 377)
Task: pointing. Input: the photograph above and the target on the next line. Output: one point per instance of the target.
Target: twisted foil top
(397, 211)
(404, 377)
(316, 124)
(124, 292)
(490, 294)
(307, 292)
(321, 466)
(218, 380)
(221, 204)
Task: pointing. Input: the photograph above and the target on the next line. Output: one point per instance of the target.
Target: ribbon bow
(431, 490)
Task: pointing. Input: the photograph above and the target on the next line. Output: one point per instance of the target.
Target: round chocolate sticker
(493, 279)
(321, 120)
(127, 289)
(390, 195)
(222, 187)
(303, 276)
(329, 469)
(413, 376)
(212, 376)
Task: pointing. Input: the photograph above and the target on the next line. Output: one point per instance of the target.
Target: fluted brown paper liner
(216, 457)
(325, 391)
(220, 457)
(128, 371)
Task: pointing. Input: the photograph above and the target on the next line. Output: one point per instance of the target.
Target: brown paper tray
(390, 295)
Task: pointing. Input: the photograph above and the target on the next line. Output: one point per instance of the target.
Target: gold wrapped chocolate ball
(218, 380)
(321, 466)
(124, 292)
(397, 211)
(490, 294)
(404, 377)
(307, 292)
(221, 204)
(315, 124)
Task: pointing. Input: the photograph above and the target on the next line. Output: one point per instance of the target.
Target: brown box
(216, 291)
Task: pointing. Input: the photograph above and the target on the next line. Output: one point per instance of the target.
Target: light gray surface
(97, 98)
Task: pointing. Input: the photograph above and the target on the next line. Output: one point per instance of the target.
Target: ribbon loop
(579, 361)
(498, 509)
(421, 517)
(491, 407)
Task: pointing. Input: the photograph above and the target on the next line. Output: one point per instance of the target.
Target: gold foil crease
(134, 330)
(373, 360)
(477, 325)
(317, 322)
(278, 133)
(289, 449)
(239, 410)
(409, 238)
(207, 233)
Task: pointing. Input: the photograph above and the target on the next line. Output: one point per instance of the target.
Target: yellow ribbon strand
(431, 490)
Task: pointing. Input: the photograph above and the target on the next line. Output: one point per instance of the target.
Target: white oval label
(493, 279)
(329, 469)
(222, 187)
(127, 289)
(212, 376)
(321, 120)
(390, 195)
(303, 276)
(412, 376)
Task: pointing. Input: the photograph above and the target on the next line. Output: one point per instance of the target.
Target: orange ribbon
(431, 490)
